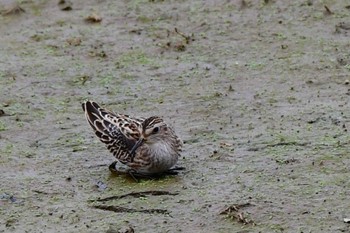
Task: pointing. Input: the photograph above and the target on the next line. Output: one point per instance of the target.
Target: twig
(233, 212)
(328, 11)
(187, 38)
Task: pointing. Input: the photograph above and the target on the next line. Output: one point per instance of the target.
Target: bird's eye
(155, 130)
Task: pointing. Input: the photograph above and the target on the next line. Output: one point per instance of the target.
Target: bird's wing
(119, 132)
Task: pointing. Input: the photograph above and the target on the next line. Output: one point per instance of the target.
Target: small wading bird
(143, 147)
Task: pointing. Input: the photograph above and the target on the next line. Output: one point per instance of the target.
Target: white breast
(163, 155)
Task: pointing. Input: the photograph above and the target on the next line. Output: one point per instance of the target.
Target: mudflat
(258, 91)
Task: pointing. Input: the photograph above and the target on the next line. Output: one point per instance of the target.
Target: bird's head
(153, 130)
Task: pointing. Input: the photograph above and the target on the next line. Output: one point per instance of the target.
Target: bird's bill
(137, 145)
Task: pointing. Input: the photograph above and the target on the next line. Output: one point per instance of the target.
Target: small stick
(328, 10)
(187, 38)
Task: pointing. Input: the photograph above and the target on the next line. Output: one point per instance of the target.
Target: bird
(142, 146)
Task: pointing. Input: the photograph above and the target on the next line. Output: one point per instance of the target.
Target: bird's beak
(137, 145)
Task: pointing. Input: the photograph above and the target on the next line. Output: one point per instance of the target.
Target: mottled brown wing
(118, 132)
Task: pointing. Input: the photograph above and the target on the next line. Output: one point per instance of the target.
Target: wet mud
(258, 90)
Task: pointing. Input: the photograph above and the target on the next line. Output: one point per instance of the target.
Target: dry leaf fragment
(75, 41)
(327, 10)
(234, 213)
(93, 18)
(225, 144)
(14, 10)
(65, 5)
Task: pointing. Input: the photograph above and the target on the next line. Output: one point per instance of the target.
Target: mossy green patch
(2, 126)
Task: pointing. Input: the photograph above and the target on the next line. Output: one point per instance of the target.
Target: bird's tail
(95, 117)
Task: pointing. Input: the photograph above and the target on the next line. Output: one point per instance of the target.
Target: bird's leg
(131, 173)
(114, 168)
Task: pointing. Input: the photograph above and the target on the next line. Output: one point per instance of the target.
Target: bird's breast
(163, 156)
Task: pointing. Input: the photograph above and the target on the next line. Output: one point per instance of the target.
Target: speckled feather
(121, 132)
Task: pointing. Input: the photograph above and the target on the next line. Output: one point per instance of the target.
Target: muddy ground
(258, 90)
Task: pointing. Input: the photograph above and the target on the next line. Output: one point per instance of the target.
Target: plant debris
(174, 43)
(187, 38)
(137, 195)
(287, 161)
(93, 18)
(97, 53)
(233, 212)
(120, 209)
(243, 5)
(14, 10)
(82, 80)
(65, 5)
(75, 41)
(230, 88)
(345, 26)
(128, 229)
(328, 11)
